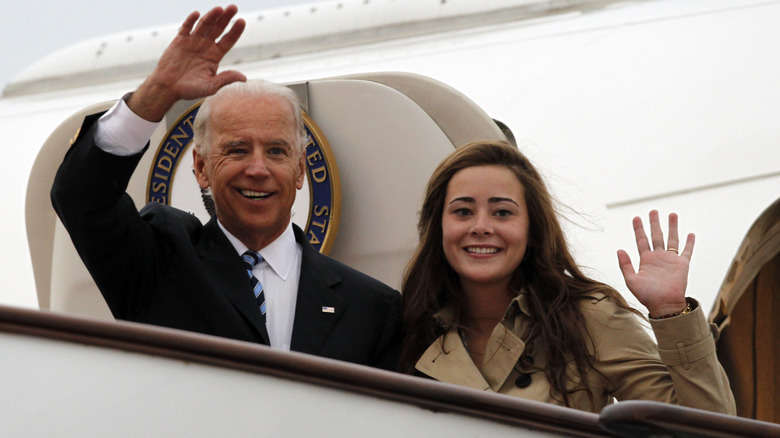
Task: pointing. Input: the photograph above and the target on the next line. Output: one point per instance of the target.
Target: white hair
(252, 88)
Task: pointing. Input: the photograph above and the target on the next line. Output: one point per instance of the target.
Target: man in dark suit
(162, 266)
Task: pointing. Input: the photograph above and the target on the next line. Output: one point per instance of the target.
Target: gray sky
(30, 30)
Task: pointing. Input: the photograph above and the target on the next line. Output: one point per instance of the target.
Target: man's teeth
(482, 250)
(254, 195)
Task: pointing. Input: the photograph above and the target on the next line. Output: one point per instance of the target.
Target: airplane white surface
(168, 394)
(625, 106)
(124, 379)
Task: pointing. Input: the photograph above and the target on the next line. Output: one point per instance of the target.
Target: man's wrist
(151, 101)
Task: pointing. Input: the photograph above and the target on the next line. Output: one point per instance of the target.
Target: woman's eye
(462, 212)
(503, 212)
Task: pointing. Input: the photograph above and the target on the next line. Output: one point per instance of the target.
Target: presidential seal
(317, 205)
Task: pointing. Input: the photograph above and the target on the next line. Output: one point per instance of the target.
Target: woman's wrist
(688, 309)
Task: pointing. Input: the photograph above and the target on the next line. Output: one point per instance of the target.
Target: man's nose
(256, 165)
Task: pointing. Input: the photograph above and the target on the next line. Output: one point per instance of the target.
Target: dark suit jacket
(164, 267)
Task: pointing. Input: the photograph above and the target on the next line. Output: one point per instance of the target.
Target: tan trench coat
(682, 369)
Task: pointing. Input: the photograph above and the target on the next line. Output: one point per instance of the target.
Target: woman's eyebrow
(492, 200)
(496, 199)
(463, 199)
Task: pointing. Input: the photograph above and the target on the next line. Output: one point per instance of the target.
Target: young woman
(493, 299)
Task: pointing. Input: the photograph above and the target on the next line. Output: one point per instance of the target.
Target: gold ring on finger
(672, 249)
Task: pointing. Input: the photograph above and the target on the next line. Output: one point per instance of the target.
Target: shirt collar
(279, 254)
(519, 304)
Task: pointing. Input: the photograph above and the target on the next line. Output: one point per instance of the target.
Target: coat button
(523, 380)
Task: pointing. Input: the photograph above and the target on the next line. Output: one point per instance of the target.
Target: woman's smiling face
(484, 226)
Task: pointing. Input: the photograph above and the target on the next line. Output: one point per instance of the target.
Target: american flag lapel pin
(328, 309)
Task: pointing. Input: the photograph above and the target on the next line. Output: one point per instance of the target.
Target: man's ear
(301, 171)
(199, 165)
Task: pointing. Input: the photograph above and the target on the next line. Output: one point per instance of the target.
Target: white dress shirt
(279, 273)
(121, 132)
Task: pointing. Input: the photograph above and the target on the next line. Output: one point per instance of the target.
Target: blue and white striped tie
(251, 259)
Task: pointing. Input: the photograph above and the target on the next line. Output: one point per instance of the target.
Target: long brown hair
(548, 272)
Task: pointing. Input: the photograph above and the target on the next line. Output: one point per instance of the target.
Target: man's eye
(236, 150)
(277, 151)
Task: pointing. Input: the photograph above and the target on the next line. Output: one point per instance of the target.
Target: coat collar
(316, 295)
(519, 304)
(224, 263)
(448, 360)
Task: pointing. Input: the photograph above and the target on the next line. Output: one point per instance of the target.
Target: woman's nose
(482, 224)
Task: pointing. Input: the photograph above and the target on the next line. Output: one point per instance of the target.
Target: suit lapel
(221, 262)
(318, 306)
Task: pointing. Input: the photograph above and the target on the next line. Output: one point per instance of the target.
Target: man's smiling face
(254, 166)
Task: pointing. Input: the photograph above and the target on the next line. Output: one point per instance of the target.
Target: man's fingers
(206, 26)
(228, 77)
(223, 20)
(230, 38)
(186, 27)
